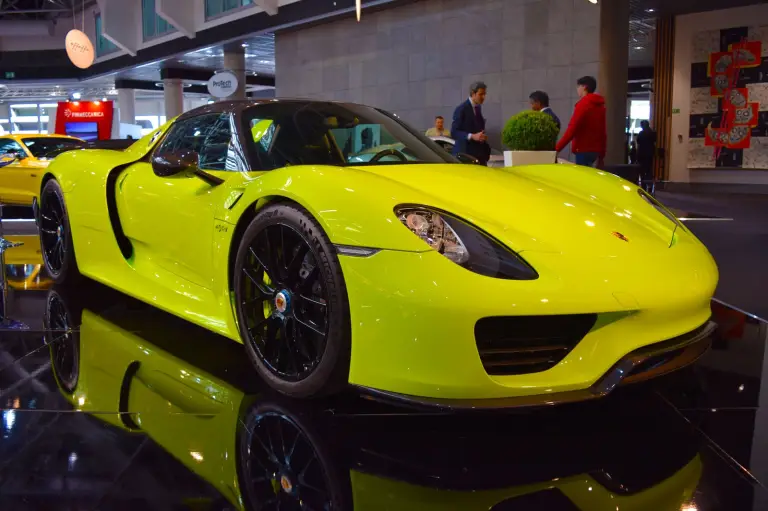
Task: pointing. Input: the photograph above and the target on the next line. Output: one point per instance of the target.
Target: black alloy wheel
(291, 303)
(62, 339)
(283, 466)
(55, 235)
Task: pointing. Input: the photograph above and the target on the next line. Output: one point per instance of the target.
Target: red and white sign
(71, 112)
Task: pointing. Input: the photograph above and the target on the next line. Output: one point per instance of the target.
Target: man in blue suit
(468, 128)
(540, 103)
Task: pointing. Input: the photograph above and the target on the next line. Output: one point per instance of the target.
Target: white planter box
(518, 158)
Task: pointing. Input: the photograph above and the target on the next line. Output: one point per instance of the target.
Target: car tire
(62, 336)
(282, 446)
(300, 344)
(56, 242)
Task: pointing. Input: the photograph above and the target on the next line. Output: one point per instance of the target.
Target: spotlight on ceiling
(76, 95)
(650, 10)
(593, 1)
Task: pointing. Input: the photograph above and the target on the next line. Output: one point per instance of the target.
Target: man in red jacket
(587, 126)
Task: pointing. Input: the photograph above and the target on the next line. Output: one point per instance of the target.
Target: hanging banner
(79, 49)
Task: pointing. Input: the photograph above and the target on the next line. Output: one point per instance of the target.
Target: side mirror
(7, 159)
(172, 163)
(466, 158)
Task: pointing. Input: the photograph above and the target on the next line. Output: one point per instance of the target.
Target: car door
(170, 219)
(17, 180)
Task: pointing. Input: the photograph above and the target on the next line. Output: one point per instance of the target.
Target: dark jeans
(646, 175)
(586, 159)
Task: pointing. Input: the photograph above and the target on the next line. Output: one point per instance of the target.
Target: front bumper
(413, 318)
(642, 365)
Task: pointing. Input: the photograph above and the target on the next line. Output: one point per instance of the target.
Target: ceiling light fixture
(650, 10)
(593, 1)
(359, 8)
(76, 95)
(244, 45)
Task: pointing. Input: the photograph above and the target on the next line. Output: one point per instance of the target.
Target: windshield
(317, 133)
(50, 147)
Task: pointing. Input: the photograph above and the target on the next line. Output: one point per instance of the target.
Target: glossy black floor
(110, 404)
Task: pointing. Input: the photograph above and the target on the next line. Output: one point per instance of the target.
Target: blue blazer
(555, 118)
(464, 123)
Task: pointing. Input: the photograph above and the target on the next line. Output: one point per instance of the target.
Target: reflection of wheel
(389, 152)
(283, 464)
(292, 305)
(63, 339)
(55, 234)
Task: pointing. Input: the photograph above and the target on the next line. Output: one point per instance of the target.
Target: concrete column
(126, 103)
(613, 74)
(174, 97)
(234, 60)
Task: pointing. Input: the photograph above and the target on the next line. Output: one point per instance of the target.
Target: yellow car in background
(22, 160)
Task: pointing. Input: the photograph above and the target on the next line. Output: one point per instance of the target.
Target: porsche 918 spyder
(406, 273)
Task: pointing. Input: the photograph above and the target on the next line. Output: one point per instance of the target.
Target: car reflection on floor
(192, 393)
(24, 266)
(184, 415)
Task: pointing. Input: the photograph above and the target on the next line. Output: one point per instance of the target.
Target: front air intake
(529, 344)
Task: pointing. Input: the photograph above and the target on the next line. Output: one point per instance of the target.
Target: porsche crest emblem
(620, 236)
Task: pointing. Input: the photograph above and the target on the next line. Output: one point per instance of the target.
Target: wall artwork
(729, 99)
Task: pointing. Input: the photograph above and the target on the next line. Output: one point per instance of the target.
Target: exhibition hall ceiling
(259, 60)
(41, 9)
(643, 14)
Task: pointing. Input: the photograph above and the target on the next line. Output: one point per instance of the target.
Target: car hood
(539, 211)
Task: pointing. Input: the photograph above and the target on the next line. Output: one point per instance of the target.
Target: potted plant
(531, 136)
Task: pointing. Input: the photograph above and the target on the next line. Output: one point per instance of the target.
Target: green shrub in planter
(530, 131)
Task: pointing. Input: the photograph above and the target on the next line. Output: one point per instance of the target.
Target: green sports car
(403, 271)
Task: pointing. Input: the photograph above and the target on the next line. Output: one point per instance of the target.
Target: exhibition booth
(90, 121)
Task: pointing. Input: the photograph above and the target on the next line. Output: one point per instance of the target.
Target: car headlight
(650, 199)
(464, 244)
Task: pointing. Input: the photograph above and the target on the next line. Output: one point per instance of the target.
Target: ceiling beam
(269, 6)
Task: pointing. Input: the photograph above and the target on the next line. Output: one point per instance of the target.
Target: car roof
(241, 104)
(20, 136)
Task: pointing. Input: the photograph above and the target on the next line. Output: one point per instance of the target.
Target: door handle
(34, 175)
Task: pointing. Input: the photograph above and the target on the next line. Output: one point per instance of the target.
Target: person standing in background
(633, 153)
(646, 150)
(540, 103)
(438, 130)
(587, 127)
(468, 126)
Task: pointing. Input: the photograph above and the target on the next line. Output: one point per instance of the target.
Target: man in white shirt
(438, 129)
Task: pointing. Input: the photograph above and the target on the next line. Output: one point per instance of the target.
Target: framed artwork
(729, 99)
